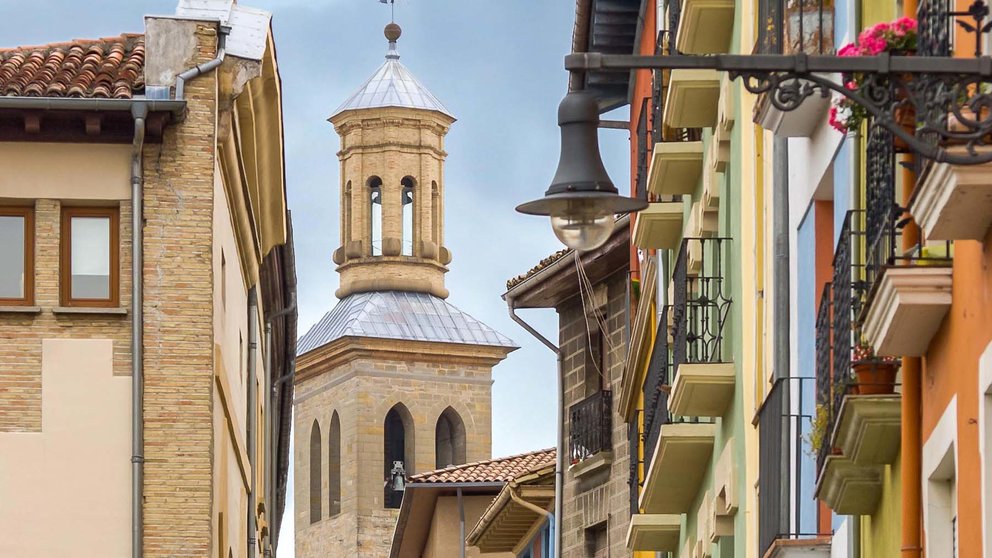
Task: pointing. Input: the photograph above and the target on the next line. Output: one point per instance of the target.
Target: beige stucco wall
(50, 509)
(444, 540)
(65, 171)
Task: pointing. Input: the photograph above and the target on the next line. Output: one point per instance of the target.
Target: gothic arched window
(449, 439)
(375, 215)
(334, 466)
(346, 214)
(408, 214)
(398, 452)
(315, 480)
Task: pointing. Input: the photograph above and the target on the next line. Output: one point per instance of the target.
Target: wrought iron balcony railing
(796, 26)
(644, 137)
(590, 426)
(701, 301)
(634, 482)
(786, 480)
(886, 221)
(656, 386)
(826, 386)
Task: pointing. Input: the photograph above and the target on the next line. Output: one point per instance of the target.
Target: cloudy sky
(497, 65)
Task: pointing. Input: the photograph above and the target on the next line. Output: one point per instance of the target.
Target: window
(315, 478)
(17, 256)
(435, 213)
(449, 437)
(408, 215)
(346, 215)
(375, 215)
(398, 452)
(334, 466)
(90, 256)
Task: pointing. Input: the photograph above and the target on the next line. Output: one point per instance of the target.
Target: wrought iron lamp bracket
(951, 98)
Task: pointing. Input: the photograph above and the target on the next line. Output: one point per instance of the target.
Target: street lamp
(582, 200)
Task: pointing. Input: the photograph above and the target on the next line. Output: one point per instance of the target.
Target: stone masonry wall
(178, 275)
(602, 498)
(362, 392)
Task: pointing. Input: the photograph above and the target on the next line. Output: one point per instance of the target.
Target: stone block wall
(362, 392)
(598, 501)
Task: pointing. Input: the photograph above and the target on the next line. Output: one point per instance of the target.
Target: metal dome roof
(392, 85)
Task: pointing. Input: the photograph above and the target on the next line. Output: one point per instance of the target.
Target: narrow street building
(394, 380)
(147, 291)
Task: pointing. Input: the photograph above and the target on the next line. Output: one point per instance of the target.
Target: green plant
(818, 432)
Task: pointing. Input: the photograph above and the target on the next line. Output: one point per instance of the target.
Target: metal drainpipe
(560, 448)
(252, 426)
(201, 69)
(139, 112)
(461, 523)
(781, 318)
(272, 419)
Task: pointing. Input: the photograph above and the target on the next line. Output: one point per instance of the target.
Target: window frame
(27, 212)
(65, 259)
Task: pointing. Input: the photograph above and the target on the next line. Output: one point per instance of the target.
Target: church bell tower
(394, 380)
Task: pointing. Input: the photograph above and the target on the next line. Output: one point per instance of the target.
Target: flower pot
(875, 377)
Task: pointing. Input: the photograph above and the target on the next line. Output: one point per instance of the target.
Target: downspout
(560, 447)
(272, 418)
(201, 69)
(252, 425)
(781, 310)
(139, 112)
(512, 488)
(461, 523)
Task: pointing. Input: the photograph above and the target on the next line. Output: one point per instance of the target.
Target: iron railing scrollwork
(701, 301)
(590, 426)
(643, 137)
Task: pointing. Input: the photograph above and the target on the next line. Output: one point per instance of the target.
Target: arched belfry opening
(398, 453)
(375, 215)
(315, 472)
(407, 198)
(449, 439)
(334, 466)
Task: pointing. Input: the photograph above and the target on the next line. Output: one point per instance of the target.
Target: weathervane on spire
(392, 9)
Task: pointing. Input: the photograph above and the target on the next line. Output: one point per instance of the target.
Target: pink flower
(852, 85)
(905, 24)
(850, 49)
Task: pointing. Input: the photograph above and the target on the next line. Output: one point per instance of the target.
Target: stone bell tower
(392, 197)
(394, 380)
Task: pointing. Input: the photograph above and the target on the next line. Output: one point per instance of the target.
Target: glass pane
(90, 257)
(11, 256)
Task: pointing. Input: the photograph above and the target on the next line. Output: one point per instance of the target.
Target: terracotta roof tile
(534, 270)
(109, 68)
(503, 469)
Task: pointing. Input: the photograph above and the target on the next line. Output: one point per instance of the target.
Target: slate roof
(392, 85)
(400, 315)
(503, 469)
(108, 68)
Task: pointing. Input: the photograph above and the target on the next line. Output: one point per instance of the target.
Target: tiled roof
(534, 270)
(400, 315)
(503, 469)
(100, 68)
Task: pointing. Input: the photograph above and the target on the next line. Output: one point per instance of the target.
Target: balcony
(848, 488)
(675, 168)
(868, 429)
(693, 99)
(704, 382)
(654, 532)
(909, 279)
(659, 226)
(794, 26)
(705, 26)
(954, 202)
(678, 467)
(590, 426)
